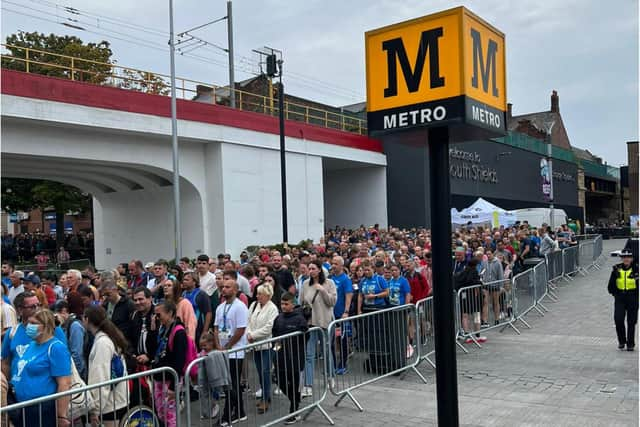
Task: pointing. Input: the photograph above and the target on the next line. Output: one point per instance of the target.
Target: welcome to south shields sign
(442, 69)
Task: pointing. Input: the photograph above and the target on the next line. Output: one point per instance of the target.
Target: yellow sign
(443, 68)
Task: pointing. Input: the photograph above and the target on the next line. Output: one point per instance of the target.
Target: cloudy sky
(587, 50)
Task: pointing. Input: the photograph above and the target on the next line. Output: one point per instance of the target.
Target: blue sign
(13, 218)
(68, 227)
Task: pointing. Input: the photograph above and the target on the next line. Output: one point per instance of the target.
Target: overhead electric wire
(295, 79)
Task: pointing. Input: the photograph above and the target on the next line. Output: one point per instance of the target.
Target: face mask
(32, 331)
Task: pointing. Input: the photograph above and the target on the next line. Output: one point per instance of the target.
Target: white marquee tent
(483, 212)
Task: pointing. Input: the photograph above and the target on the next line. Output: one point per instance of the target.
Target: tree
(26, 194)
(93, 63)
(143, 81)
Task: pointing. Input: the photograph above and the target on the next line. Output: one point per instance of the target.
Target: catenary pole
(443, 300)
(174, 140)
(232, 92)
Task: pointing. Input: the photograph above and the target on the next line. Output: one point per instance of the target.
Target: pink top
(184, 310)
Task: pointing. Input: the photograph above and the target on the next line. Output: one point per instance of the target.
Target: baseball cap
(32, 278)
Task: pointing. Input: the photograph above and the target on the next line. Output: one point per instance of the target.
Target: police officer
(623, 285)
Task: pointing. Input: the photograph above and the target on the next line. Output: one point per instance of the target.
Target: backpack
(190, 356)
(117, 366)
(87, 342)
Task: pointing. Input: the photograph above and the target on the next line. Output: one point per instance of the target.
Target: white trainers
(306, 392)
(276, 391)
(410, 351)
(259, 393)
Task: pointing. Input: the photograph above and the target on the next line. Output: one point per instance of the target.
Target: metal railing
(376, 354)
(141, 405)
(570, 262)
(110, 74)
(275, 368)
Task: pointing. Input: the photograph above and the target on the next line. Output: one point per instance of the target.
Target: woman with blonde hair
(43, 368)
(262, 314)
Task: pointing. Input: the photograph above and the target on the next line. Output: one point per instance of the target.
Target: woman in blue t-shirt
(43, 368)
(399, 289)
(373, 289)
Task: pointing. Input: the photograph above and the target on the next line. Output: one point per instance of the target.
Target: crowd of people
(42, 249)
(140, 316)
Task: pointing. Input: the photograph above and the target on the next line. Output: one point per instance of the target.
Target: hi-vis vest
(624, 282)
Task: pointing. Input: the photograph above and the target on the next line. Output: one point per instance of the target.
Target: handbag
(82, 402)
(307, 309)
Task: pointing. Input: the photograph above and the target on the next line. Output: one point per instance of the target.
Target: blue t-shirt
(343, 287)
(373, 285)
(398, 289)
(16, 346)
(38, 368)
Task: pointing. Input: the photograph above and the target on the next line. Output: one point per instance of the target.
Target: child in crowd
(291, 352)
(209, 396)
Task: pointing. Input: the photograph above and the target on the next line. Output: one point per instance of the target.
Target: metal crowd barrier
(570, 262)
(275, 369)
(143, 406)
(555, 265)
(597, 251)
(523, 295)
(376, 353)
(483, 307)
(585, 255)
(425, 332)
(541, 284)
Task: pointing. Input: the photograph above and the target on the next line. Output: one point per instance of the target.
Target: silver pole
(174, 139)
(232, 92)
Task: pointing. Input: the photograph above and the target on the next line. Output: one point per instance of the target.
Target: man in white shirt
(207, 279)
(16, 284)
(231, 322)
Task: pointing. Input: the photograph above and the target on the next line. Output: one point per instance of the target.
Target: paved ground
(565, 371)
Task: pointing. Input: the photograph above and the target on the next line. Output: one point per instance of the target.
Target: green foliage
(252, 250)
(143, 81)
(25, 194)
(17, 195)
(92, 63)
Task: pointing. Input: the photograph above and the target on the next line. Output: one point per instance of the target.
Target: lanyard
(225, 311)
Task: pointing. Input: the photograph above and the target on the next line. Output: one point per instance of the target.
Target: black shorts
(472, 302)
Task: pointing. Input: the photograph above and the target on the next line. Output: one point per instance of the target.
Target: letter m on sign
(486, 68)
(395, 49)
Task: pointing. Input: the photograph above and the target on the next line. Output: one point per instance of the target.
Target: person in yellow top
(623, 285)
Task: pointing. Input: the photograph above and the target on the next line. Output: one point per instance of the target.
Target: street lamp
(550, 166)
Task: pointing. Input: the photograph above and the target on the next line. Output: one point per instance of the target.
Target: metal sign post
(443, 301)
(439, 78)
